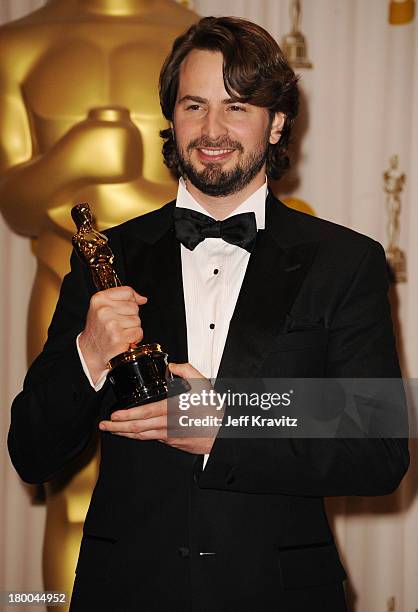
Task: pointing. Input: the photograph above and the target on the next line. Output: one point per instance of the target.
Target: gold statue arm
(103, 148)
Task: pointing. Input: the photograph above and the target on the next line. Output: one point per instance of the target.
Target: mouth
(211, 154)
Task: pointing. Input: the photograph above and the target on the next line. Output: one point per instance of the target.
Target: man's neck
(220, 207)
(114, 7)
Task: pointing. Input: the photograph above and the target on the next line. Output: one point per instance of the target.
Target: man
(268, 293)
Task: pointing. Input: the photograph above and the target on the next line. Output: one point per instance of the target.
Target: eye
(193, 107)
(236, 107)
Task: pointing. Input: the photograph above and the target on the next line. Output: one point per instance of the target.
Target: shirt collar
(256, 203)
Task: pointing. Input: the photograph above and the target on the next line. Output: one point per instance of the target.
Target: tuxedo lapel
(153, 268)
(168, 296)
(273, 277)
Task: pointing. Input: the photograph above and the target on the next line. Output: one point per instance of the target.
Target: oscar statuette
(139, 375)
(394, 183)
(294, 43)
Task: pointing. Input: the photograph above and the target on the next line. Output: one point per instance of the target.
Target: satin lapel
(271, 283)
(154, 270)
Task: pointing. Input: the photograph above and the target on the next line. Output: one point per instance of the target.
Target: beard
(213, 180)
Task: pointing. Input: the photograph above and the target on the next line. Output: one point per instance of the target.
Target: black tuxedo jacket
(313, 304)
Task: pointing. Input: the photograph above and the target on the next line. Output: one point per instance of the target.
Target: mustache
(224, 143)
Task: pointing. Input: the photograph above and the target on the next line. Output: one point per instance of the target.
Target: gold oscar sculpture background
(80, 121)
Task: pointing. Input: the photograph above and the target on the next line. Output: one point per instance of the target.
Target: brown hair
(254, 70)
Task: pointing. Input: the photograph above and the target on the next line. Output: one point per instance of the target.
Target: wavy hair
(254, 70)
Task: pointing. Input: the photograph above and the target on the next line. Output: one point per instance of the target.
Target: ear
(276, 127)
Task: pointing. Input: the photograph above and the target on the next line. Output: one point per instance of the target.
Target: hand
(112, 324)
(149, 422)
(104, 151)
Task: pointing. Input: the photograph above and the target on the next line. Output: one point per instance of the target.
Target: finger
(137, 426)
(185, 370)
(123, 293)
(154, 434)
(127, 321)
(107, 303)
(121, 331)
(125, 308)
(147, 411)
(178, 441)
(149, 435)
(192, 445)
(132, 335)
(127, 435)
(109, 313)
(140, 299)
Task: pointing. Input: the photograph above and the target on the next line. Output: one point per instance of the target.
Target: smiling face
(221, 142)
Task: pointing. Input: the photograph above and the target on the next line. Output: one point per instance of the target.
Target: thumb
(140, 299)
(184, 370)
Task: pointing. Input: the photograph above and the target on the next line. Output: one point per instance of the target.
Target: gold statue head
(82, 217)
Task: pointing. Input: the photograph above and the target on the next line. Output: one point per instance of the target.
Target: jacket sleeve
(53, 417)
(361, 346)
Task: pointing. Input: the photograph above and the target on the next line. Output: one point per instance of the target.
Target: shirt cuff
(102, 378)
(205, 458)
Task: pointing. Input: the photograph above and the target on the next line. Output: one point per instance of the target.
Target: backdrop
(360, 108)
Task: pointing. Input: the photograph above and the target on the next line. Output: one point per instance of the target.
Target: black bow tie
(192, 228)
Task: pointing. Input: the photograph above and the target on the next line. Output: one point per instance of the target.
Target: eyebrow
(200, 100)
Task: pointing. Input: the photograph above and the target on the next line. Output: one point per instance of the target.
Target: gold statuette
(294, 43)
(139, 375)
(394, 182)
(92, 247)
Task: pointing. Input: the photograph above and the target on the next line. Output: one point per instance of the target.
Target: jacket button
(230, 479)
(183, 551)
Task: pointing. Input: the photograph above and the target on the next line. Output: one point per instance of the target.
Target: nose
(214, 126)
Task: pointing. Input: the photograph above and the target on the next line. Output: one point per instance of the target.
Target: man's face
(222, 143)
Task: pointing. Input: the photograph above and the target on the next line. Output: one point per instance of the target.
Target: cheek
(249, 138)
(249, 132)
(185, 132)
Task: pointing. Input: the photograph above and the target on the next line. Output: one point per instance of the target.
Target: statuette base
(397, 264)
